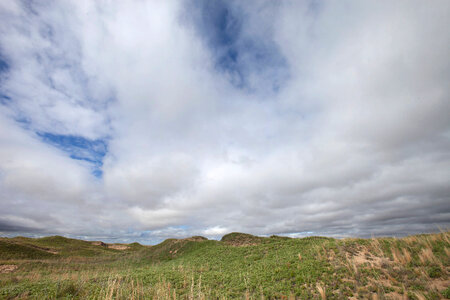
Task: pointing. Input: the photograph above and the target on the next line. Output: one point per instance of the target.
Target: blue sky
(79, 148)
(237, 53)
(141, 121)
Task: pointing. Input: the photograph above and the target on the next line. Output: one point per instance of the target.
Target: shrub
(434, 272)
(446, 293)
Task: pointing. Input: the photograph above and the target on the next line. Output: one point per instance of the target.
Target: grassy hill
(56, 247)
(238, 266)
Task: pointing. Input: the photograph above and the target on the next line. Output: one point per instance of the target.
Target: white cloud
(354, 141)
(215, 231)
(156, 218)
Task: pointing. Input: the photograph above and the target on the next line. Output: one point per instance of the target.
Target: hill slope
(239, 266)
(57, 247)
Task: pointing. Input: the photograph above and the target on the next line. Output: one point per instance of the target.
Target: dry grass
(376, 247)
(414, 267)
(401, 256)
(322, 291)
(426, 255)
(406, 255)
(420, 296)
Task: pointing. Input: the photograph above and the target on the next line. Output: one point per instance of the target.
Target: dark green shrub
(434, 272)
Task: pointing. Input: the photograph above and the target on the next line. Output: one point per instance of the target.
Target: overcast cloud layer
(142, 120)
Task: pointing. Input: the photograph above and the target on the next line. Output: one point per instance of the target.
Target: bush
(434, 272)
(446, 293)
(67, 289)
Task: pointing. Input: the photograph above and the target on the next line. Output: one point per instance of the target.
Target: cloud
(248, 59)
(215, 231)
(141, 121)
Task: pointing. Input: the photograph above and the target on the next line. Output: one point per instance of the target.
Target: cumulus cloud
(154, 119)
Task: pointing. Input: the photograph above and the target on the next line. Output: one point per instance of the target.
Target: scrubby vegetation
(239, 266)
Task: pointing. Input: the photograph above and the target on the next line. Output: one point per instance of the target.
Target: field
(239, 266)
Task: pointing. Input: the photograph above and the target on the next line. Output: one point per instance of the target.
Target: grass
(240, 266)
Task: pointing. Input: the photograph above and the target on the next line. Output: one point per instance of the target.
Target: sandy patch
(118, 247)
(99, 243)
(7, 268)
(440, 284)
(364, 257)
(395, 296)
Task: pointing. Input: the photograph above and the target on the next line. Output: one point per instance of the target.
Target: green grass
(239, 266)
(9, 250)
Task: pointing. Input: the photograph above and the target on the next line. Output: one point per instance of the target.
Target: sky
(129, 121)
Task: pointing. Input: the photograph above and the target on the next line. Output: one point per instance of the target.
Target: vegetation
(239, 266)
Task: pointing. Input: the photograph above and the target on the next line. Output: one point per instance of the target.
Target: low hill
(57, 247)
(239, 266)
(172, 248)
(242, 239)
(12, 250)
